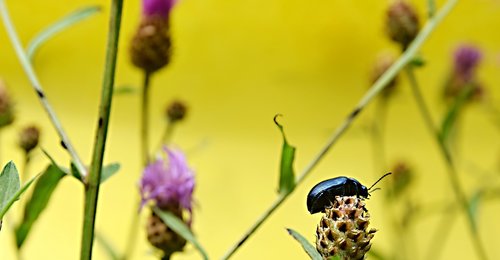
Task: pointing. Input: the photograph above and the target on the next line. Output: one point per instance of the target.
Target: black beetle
(322, 194)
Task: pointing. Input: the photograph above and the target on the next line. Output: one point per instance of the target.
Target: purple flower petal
(157, 7)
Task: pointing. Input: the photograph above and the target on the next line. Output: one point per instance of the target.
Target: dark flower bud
(402, 178)
(6, 106)
(28, 138)
(163, 237)
(176, 111)
(402, 23)
(151, 46)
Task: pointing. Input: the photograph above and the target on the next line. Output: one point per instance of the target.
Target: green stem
(452, 171)
(145, 119)
(378, 136)
(132, 233)
(378, 86)
(35, 83)
(167, 133)
(93, 181)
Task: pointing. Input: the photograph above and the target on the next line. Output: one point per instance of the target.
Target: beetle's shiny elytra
(323, 193)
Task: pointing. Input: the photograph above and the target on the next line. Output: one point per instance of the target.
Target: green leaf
(40, 197)
(63, 169)
(180, 228)
(9, 187)
(124, 90)
(59, 26)
(308, 247)
(107, 246)
(451, 117)
(75, 173)
(417, 62)
(474, 206)
(109, 170)
(287, 176)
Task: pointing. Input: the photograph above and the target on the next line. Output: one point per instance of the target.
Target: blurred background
(236, 64)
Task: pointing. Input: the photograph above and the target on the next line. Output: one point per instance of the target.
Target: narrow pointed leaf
(474, 206)
(109, 170)
(38, 201)
(287, 175)
(9, 185)
(180, 228)
(59, 26)
(75, 173)
(308, 247)
(125, 89)
(452, 114)
(53, 161)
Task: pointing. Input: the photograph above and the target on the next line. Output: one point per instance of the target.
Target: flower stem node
(343, 230)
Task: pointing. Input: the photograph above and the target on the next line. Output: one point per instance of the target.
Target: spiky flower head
(402, 23)
(150, 48)
(168, 182)
(466, 59)
(28, 138)
(343, 229)
(6, 106)
(176, 111)
(157, 8)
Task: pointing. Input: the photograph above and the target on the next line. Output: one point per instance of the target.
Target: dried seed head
(28, 138)
(162, 237)
(343, 230)
(151, 46)
(402, 23)
(176, 111)
(6, 106)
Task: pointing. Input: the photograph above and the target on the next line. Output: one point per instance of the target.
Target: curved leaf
(180, 228)
(57, 27)
(308, 247)
(38, 201)
(9, 187)
(287, 175)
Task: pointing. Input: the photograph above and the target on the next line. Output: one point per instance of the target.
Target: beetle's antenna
(389, 173)
(375, 190)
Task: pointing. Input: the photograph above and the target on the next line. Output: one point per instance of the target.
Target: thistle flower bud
(176, 111)
(28, 138)
(151, 46)
(162, 237)
(402, 177)
(382, 64)
(169, 184)
(343, 229)
(466, 59)
(6, 106)
(402, 23)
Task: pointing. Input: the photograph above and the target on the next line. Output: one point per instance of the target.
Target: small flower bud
(176, 111)
(343, 230)
(382, 64)
(162, 237)
(402, 178)
(402, 23)
(28, 138)
(150, 48)
(6, 106)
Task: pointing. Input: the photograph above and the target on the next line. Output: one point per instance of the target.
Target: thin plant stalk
(35, 83)
(167, 133)
(144, 139)
(378, 86)
(378, 135)
(452, 171)
(145, 119)
(93, 182)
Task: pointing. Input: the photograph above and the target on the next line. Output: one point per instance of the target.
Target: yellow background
(237, 63)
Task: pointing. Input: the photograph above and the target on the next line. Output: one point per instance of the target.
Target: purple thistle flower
(467, 58)
(157, 7)
(169, 182)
